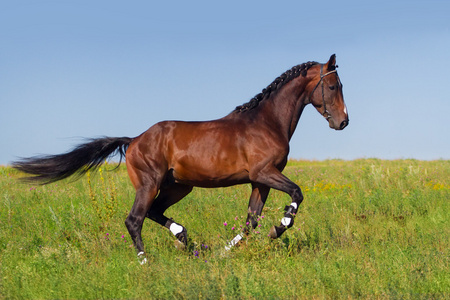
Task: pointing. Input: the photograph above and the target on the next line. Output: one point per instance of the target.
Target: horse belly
(210, 169)
(208, 181)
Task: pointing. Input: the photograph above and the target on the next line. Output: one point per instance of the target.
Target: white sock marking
(234, 242)
(294, 205)
(286, 221)
(142, 261)
(175, 228)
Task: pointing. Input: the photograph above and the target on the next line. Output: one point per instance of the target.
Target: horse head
(327, 96)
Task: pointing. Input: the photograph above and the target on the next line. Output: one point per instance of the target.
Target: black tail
(51, 168)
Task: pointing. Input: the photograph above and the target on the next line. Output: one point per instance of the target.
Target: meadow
(367, 228)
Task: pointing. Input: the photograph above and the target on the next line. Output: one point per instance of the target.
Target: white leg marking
(294, 205)
(286, 221)
(143, 260)
(234, 242)
(175, 228)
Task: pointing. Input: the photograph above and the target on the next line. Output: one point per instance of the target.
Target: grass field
(367, 228)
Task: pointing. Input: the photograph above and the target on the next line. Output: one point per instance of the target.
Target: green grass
(367, 228)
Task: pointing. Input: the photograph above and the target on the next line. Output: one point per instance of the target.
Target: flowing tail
(51, 168)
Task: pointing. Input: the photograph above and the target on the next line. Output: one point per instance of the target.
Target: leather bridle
(326, 114)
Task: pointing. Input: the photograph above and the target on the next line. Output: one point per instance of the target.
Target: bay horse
(248, 146)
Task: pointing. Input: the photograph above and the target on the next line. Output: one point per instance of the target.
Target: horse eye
(332, 87)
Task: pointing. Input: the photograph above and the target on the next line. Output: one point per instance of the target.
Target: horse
(250, 145)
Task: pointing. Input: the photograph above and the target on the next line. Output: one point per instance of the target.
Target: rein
(325, 113)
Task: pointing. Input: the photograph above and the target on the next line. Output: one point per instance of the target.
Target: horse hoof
(142, 259)
(179, 245)
(276, 231)
(273, 233)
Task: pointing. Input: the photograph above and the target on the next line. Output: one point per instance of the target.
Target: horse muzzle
(336, 125)
(343, 124)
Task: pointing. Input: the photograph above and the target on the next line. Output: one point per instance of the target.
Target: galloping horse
(249, 145)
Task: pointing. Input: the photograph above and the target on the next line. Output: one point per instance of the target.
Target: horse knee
(297, 196)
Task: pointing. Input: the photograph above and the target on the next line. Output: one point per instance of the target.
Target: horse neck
(284, 108)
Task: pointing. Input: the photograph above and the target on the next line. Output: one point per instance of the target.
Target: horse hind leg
(136, 217)
(168, 196)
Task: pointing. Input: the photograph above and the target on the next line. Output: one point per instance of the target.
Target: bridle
(326, 114)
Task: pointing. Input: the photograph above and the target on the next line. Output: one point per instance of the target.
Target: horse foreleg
(255, 207)
(286, 222)
(273, 178)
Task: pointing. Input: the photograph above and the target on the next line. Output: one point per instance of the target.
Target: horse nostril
(343, 124)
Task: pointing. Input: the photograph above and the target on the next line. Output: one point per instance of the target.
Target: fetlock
(276, 231)
(182, 236)
(290, 211)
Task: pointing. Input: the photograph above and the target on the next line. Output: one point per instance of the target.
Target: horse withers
(248, 146)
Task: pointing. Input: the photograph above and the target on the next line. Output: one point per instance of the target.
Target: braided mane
(276, 84)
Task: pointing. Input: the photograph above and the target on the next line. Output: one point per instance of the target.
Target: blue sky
(73, 69)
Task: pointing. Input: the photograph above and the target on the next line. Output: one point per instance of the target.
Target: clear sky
(73, 69)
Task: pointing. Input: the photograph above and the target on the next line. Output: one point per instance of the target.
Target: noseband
(325, 113)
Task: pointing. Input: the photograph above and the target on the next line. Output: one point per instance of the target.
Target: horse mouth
(341, 126)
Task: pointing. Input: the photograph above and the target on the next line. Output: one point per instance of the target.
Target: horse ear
(331, 64)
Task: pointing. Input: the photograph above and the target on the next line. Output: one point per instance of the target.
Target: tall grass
(367, 228)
